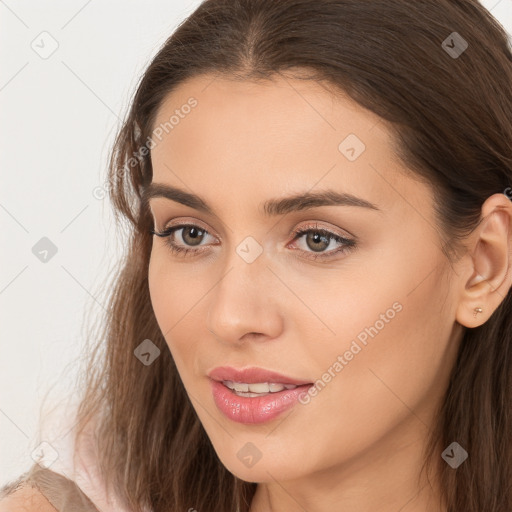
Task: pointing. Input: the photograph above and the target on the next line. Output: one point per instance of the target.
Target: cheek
(158, 283)
(172, 289)
(392, 338)
(176, 301)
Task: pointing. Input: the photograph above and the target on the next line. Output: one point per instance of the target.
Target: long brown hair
(451, 118)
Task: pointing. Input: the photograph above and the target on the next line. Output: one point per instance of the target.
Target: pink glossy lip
(259, 409)
(251, 375)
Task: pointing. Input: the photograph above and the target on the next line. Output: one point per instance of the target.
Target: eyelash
(176, 249)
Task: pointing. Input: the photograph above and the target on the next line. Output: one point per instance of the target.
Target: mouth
(254, 395)
(256, 388)
(253, 376)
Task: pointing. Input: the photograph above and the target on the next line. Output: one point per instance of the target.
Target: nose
(246, 303)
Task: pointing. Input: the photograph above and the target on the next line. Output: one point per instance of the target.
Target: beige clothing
(61, 492)
(70, 486)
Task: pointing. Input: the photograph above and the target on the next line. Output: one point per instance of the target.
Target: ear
(489, 268)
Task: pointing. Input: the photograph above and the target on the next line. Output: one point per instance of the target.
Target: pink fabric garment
(57, 449)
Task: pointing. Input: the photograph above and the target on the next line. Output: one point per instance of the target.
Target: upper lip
(251, 375)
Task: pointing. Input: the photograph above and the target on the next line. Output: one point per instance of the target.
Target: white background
(59, 117)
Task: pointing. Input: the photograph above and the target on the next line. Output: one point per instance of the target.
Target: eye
(317, 239)
(191, 234)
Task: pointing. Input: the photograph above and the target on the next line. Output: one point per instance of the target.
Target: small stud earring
(477, 310)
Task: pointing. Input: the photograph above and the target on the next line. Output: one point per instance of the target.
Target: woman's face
(371, 320)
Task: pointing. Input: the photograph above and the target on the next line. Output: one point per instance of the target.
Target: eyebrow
(271, 207)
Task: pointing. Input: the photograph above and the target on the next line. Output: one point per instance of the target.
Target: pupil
(195, 233)
(318, 238)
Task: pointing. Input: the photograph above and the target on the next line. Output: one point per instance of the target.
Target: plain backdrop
(67, 72)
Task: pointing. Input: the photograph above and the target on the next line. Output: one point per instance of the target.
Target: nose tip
(247, 302)
(231, 320)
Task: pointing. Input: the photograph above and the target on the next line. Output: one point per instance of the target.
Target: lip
(258, 409)
(252, 375)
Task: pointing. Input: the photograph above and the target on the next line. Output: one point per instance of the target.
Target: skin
(358, 444)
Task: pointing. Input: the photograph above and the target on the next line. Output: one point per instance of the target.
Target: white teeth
(254, 389)
(239, 386)
(264, 387)
(273, 387)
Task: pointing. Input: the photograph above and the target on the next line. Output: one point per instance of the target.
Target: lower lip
(258, 409)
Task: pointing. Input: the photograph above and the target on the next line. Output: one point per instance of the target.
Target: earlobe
(477, 310)
(490, 256)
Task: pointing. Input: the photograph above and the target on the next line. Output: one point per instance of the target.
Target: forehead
(283, 106)
(286, 134)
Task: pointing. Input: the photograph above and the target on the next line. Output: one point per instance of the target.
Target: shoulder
(41, 489)
(25, 498)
